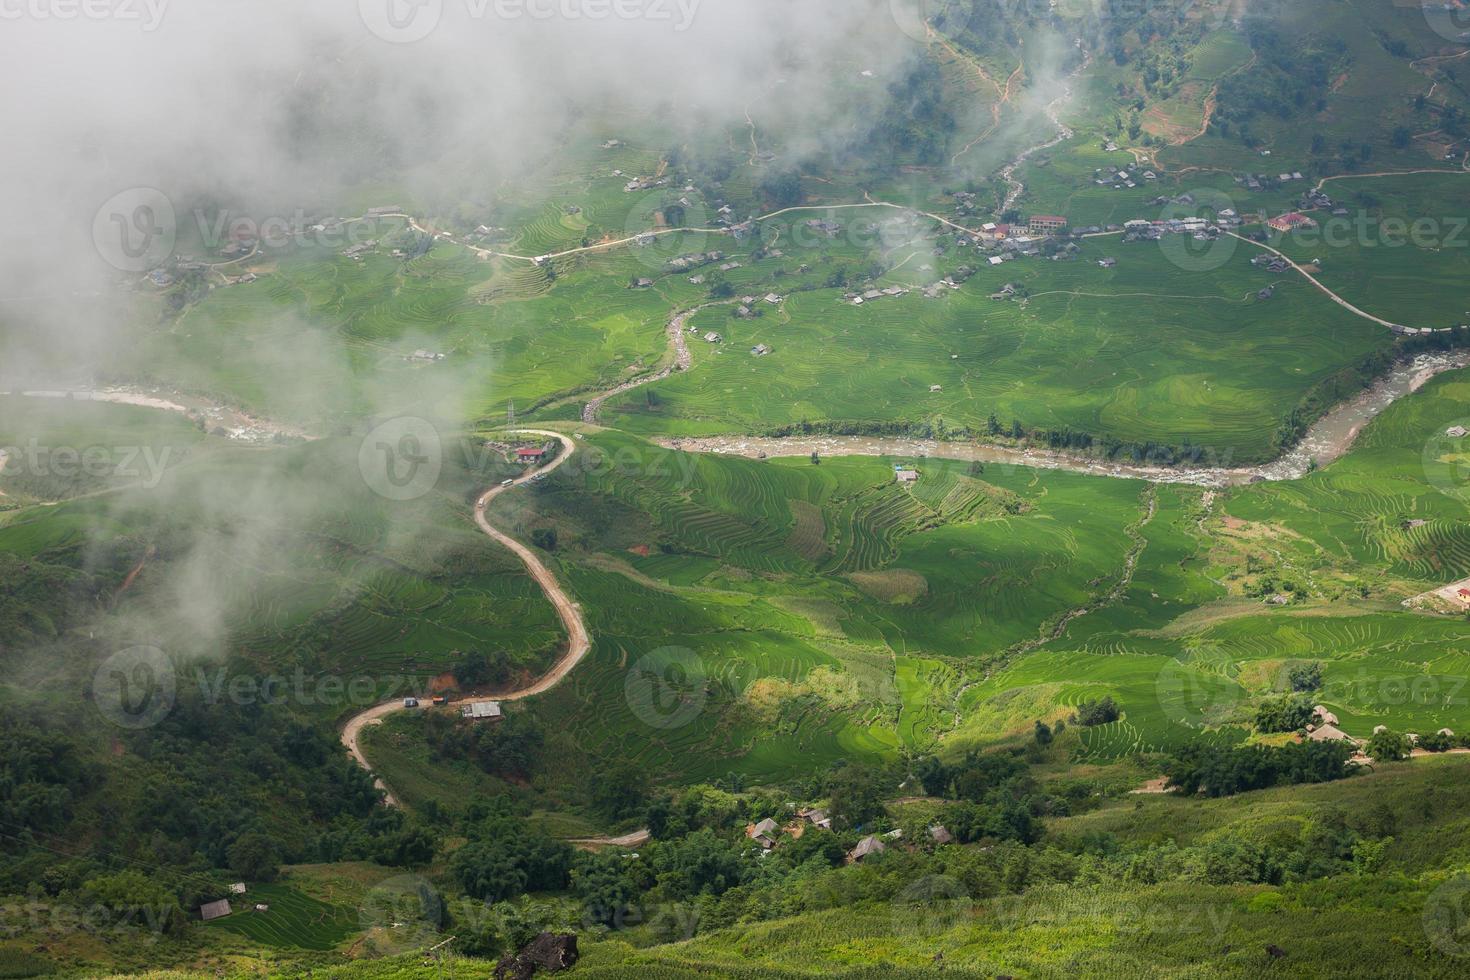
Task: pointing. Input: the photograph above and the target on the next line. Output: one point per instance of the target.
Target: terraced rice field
(293, 921)
(1144, 351)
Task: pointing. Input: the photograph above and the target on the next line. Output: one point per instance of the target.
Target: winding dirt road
(678, 345)
(1320, 285)
(579, 642)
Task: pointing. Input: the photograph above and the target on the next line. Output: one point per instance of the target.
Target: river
(1324, 443)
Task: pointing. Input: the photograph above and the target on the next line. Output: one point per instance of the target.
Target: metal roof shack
(210, 911)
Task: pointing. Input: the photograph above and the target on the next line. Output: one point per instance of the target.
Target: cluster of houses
(1257, 182)
(1121, 179)
(221, 908)
(356, 252)
(1201, 229)
(858, 299)
(693, 261)
(768, 833)
(642, 183)
(422, 356)
(1324, 728)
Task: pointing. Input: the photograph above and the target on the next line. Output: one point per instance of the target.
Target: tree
(255, 857)
(620, 791)
(816, 458)
(856, 796)
(1305, 677)
(133, 897)
(544, 538)
(1103, 711)
(1389, 746)
(1285, 714)
(1043, 734)
(479, 669)
(601, 881)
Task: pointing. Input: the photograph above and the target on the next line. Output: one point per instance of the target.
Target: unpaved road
(578, 640)
(1319, 284)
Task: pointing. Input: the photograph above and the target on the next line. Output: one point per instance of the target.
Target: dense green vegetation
(1097, 688)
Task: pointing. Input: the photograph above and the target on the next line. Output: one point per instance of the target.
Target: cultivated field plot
(830, 611)
(321, 325)
(1402, 252)
(292, 921)
(1397, 502)
(1363, 81)
(1143, 352)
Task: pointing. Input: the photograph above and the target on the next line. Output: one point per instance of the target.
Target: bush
(1305, 677)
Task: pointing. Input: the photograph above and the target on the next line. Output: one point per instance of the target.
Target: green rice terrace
(846, 490)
